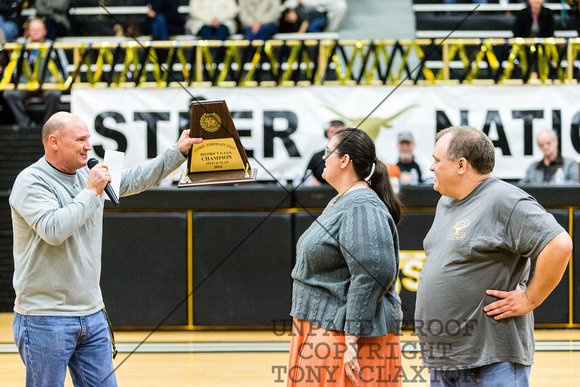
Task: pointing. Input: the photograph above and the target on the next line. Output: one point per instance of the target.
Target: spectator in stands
(127, 30)
(9, 22)
(316, 163)
(54, 13)
(553, 168)
(534, 21)
(36, 32)
(334, 10)
(163, 19)
(413, 169)
(10, 19)
(297, 17)
(259, 18)
(213, 19)
(575, 4)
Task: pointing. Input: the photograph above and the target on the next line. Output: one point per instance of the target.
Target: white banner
(282, 127)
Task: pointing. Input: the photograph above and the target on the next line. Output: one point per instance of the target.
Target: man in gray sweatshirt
(57, 216)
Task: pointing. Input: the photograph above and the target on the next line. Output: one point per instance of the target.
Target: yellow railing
(291, 63)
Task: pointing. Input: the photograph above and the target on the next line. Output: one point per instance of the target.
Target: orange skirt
(316, 357)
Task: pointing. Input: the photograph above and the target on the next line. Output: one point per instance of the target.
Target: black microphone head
(92, 162)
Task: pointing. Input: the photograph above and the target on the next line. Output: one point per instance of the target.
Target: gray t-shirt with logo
(483, 241)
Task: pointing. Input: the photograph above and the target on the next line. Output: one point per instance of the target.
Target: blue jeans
(159, 28)
(317, 25)
(47, 344)
(212, 33)
(10, 29)
(264, 33)
(503, 374)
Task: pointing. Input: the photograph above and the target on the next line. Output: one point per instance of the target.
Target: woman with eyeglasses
(346, 311)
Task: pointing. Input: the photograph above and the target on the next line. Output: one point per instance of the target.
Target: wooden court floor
(259, 358)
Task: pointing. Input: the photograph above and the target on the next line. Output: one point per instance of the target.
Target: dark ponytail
(361, 149)
(380, 182)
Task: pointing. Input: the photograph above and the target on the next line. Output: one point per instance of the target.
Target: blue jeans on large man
(504, 374)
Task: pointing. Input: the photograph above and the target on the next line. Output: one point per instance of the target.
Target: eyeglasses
(328, 152)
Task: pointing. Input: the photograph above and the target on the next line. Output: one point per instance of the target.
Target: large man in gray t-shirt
(474, 303)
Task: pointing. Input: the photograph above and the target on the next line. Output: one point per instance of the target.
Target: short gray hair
(471, 144)
(551, 132)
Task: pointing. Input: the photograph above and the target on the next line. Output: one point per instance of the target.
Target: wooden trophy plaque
(220, 159)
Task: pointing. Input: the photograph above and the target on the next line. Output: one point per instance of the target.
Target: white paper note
(114, 161)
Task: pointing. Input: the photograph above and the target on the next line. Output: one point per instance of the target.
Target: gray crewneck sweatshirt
(346, 269)
(57, 225)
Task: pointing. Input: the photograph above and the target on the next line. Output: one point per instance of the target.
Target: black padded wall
(241, 268)
(556, 308)
(144, 271)
(413, 228)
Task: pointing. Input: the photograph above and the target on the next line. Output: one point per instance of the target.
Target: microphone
(108, 189)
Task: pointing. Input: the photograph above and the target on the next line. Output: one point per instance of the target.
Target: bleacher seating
(434, 19)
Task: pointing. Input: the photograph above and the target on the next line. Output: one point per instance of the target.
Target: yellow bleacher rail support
(331, 57)
(416, 46)
(232, 55)
(94, 71)
(450, 51)
(571, 54)
(358, 47)
(296, 57)
(34, 74)
(547, 58)
(11, 66)
(381, 55)
(261, 48)
(293, 62)
(518, 55)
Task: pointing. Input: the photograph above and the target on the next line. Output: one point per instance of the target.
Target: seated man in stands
(36, 32)
(299, 18)
(54, 13)
(163, 19)
(316, 163)
(334, 10)
(413, 170)
(259, 18)
(9, 19)
(553, 168)
(212, 19)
